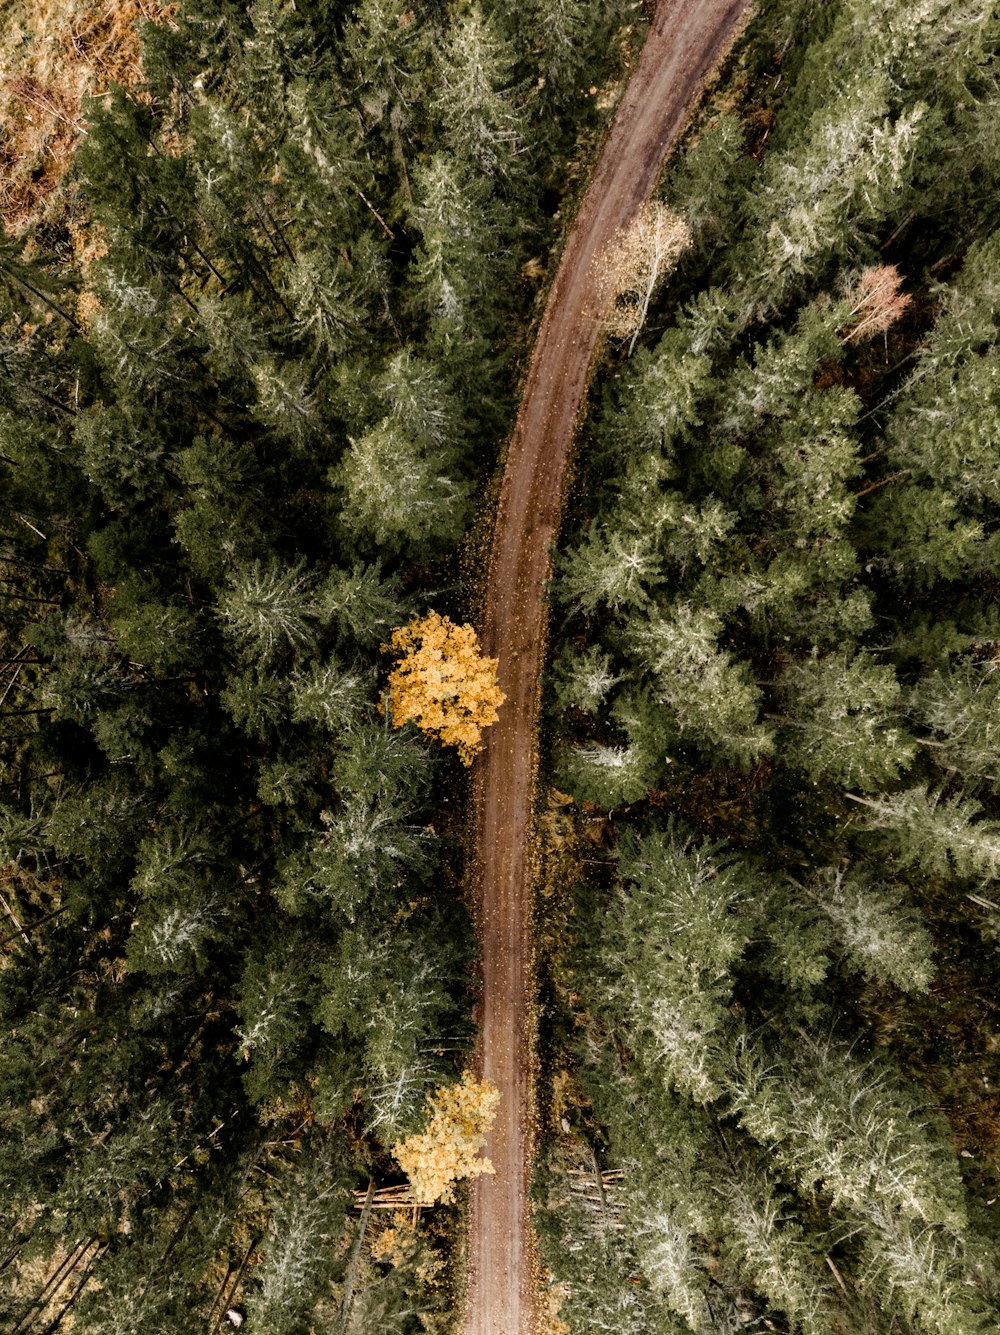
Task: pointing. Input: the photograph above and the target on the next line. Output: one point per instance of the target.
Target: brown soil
(686, 40)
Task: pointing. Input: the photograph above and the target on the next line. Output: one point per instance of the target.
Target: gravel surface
(686, 40)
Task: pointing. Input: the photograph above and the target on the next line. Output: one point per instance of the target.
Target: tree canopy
(261, 333)
(443, 683)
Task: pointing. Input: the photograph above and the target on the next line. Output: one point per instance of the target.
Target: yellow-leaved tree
(458, 1118)
(443, 683)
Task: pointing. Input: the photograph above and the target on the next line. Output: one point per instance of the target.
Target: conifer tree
(397, 489)
(881, 934)
(610, 774)
(300, 1249)
(613, 568)
(269, 607)
(844, 726)
(582, 681)
(959, 706)
(678, 935)
(361, 604)
(459, 225)
(710, 699)
(942, 836)
(659, 399)
(473, 98)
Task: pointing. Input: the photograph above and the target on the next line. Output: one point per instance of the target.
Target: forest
(264, 318)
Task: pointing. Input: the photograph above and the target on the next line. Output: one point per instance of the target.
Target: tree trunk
(52, 1284)
(352, 1269)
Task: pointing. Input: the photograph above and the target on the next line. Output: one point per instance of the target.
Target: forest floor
(685, 42)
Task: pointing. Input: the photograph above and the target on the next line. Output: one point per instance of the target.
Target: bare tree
(642, 256)
(876, 302)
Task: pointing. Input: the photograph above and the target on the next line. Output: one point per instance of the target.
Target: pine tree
(708, 185)
(848, 169)
(944, 837)
(959, 706)
(668, 1256)
(946, 414)
(96, 824)
(473, 99)
(257, 701)
(809, 597)
(330, 696)
(370, 849)
(677, 935)
(844, 725)
(613, 567)
(854, 126)
(924, 1273)
(322, 295)
(840, 1123)
(463, 254)
(285, 402)
(120, 455)
(783, 371)
(711, 700)
(269, 607)
(767, 1245)
(925, 535)
(658, 401)
(401, 977)
(582, 680)
(880, 933)
(275, 994)
(307, 1222)
(807, 467)
(565, 45)
(361, 604)
(608, 774)
(383, 43)
(165, 637)
(397, 490)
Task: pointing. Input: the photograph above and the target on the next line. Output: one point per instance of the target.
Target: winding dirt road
(686, 40)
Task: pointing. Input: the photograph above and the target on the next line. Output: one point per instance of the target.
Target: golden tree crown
(458, 1117)
(443, 683)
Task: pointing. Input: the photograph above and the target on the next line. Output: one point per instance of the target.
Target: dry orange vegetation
(444, 684)
(550, 1299)
(644, 254)
(876, 302)
(53, 53)
(398, 1245)
(449, 1149)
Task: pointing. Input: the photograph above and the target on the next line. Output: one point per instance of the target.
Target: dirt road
(686, 40)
